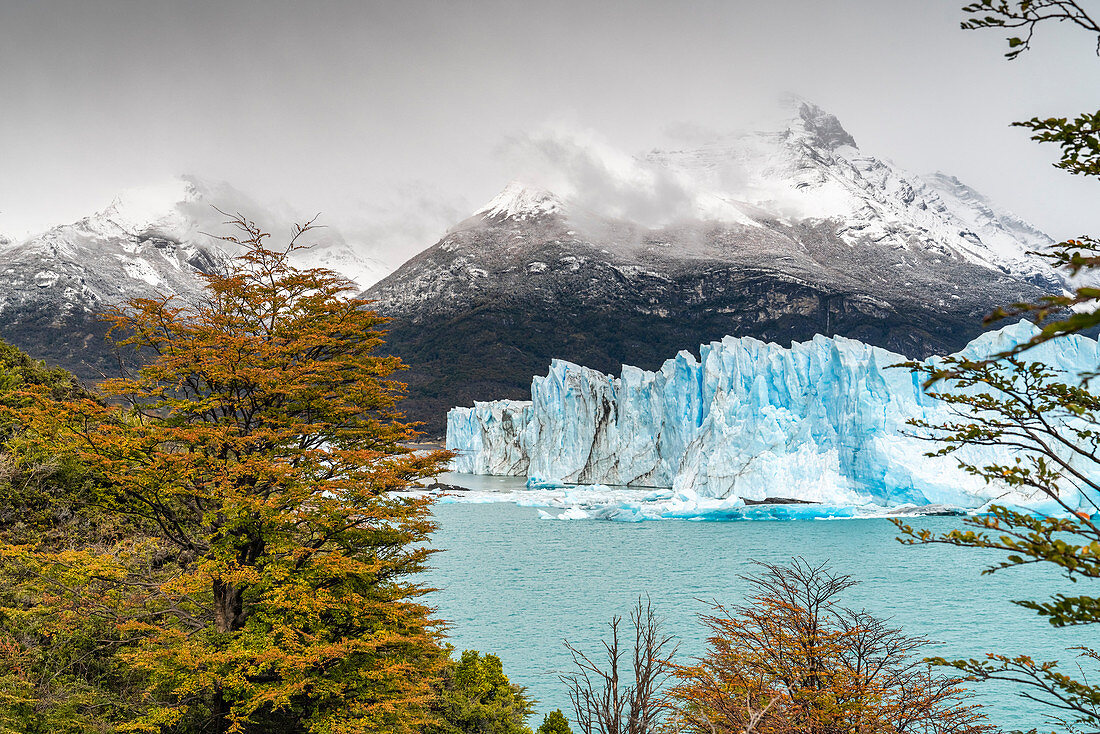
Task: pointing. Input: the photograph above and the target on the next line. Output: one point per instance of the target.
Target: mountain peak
(825, 128)
(521, 202)
(155, 207)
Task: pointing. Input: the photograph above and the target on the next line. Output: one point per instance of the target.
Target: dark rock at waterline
(779, 501)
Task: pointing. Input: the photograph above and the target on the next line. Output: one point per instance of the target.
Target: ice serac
(823, 421)
(490, 437)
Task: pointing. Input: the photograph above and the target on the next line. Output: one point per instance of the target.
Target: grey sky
(370, 110)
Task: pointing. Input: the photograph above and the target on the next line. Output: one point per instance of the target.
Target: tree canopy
(262, 576)
(793, 660)
(477, 698)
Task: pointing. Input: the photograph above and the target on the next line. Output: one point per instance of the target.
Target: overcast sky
(369, 111)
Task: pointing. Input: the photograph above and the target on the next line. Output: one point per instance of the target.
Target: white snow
(45, 278)
(793, 174)
(154, 207)
(149, 236)
(521, 202)
(805, 167)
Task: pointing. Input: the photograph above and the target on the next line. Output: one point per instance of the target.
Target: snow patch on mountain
(156, 210)
(157, 238)
(805, 168)
(521, 202)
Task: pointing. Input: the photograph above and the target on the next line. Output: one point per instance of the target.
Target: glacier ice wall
(488, 437)
(821, 421)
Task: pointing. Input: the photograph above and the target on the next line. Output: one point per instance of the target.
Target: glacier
(823, 422)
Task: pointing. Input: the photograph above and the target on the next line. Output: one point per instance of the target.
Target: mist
(396, 120)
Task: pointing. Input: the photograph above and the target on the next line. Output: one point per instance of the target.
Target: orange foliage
(793, 661)
(258, 455)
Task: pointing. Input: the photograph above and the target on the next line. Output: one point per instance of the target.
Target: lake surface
(517, 585)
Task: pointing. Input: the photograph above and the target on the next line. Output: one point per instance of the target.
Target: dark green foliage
(1059, 314)
(19, 369)
(1079, 140)
(1023, 16)
(554, 723)
(477, 698)
(40, 490)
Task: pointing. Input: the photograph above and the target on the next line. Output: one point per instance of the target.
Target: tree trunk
(220, 711)
(229, 613)
(228, 606)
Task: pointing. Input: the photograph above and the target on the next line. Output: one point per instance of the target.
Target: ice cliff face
(821, 421)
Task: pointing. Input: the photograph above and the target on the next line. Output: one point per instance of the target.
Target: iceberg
(823, 421)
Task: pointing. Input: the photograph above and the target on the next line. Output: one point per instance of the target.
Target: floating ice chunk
(537, 483)
(619, 504)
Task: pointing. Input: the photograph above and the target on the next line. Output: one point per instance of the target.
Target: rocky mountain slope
(792, 232)
(55, 285)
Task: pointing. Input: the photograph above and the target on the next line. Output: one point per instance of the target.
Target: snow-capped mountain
(186, 210)
(786, 234)
(150, 240)
(519, 203)
(812, 169)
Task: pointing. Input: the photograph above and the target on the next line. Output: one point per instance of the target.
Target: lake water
(517, 585)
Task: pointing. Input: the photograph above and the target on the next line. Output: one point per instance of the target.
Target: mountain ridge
(147, 242)
(788, 233)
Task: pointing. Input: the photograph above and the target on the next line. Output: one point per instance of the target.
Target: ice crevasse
(823, 421)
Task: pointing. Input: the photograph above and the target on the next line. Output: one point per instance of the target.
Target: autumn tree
(792, 659)
(266, 580)
(611, 698)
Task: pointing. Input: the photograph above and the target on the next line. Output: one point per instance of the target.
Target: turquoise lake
(517, 585)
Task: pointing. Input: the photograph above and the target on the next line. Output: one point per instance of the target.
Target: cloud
(411, 218)
(582, 167)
